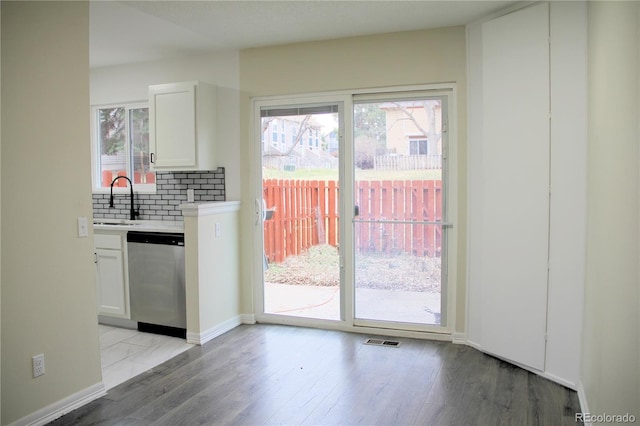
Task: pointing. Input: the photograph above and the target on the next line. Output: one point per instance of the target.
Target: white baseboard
(212, 333)
(559, 380)
(582, 398)
(248, 319)
(552, 377)
(474, 345)
(62, 407)
(459, 338)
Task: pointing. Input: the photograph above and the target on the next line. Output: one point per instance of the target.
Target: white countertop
(137, 225)
(188, 210)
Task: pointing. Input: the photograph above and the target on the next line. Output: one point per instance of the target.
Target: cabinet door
(111, 284)
(172, 125)
(514, 217)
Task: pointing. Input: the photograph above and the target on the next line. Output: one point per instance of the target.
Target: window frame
(447, 91)
(96, 175)
(418, 141)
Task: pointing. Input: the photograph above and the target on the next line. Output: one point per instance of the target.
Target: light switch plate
(190, 195)
(83, 227)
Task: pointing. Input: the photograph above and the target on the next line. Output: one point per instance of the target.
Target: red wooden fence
(109, 175)
(403, 202)
(305, 213)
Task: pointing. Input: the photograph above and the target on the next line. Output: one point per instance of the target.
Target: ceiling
(138, 31)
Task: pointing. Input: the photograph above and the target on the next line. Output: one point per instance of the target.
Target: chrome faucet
(132, 213)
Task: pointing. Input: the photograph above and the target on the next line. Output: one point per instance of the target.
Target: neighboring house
(414, 128)
(291, 142)
(281, 133)
(413, 136)
(331, 142)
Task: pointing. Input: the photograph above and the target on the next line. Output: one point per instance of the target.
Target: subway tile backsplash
(171, 192)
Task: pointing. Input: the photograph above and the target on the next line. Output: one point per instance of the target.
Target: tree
(428, 106)
(370, 133)
(370, 121)
(112, 130)
(139, 123)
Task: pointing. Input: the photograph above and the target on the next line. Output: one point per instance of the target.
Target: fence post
(398, 229)
(332, 201)
(386, 199)
(375, 211)
(430, 212)
(285, 208)
(107, 177)
(268, 235)
(319, 211)
(297, 243)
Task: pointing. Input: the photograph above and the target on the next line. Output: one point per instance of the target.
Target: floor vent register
(380, 342)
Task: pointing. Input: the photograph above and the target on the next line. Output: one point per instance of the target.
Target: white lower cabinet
(111, 275)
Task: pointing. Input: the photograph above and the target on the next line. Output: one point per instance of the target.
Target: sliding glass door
(300, 197)
(399, 205)
(353, 210)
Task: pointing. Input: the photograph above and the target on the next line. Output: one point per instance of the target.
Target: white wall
(129, 83)
(611, 350)
(48, 281)
(568, 181)
(212, 270)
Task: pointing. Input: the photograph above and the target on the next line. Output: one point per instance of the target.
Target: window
(418, 147)
(122, 147)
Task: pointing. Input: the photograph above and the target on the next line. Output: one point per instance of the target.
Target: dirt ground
(320, 266)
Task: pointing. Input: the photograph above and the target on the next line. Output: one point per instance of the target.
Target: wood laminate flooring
(271, 374)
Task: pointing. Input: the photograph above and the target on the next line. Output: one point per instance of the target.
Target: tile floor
(127, 353)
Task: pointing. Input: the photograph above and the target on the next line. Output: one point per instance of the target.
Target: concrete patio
(323, 302)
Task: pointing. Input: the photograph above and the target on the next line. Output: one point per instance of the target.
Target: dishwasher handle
(162, 238)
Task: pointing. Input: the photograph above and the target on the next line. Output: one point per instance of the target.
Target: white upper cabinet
(182, 126)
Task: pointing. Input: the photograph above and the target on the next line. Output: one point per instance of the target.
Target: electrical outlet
(218, 230)
(38, 365)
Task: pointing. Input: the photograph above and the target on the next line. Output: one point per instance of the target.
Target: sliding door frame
(445, 223)
(345, 100)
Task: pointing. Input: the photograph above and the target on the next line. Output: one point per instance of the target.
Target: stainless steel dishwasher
(156, 281)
